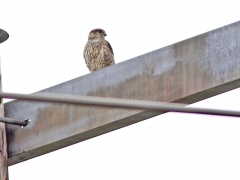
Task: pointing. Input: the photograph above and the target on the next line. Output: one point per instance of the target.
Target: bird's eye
(100, 31)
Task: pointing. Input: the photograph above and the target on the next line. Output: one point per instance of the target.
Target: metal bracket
(15, 122)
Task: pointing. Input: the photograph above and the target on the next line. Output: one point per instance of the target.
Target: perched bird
(98, 52)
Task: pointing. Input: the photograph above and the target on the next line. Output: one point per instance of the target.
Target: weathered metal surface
(187, 72)
(3, 142)
(3, 149)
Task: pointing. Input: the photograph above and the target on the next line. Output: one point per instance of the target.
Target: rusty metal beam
(185, 72)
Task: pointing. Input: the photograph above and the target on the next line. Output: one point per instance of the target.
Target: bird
(98, 52)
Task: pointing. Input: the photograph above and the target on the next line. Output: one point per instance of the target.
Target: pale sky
(45, 48)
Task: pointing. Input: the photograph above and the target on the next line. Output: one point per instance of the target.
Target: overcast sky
(45, 48)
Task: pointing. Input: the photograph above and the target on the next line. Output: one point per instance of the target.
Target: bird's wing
(108, 53)
(109, 46)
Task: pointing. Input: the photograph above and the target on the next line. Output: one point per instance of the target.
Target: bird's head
(97, 33)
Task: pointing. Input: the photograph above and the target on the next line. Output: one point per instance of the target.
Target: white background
(45, 48)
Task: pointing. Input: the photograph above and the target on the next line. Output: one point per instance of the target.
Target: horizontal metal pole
(15, 122)
(115, 102)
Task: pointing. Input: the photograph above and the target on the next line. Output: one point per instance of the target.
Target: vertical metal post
(3, 139)
(3, 148)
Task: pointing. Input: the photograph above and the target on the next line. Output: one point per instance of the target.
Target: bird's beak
(105, 34)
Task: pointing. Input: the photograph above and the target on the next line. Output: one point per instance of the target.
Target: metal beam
(185, 72)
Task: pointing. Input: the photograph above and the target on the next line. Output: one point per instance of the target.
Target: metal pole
(115, 102)
(3, 135)
(15, 122)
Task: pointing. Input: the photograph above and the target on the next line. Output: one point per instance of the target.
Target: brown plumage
(98, 52)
